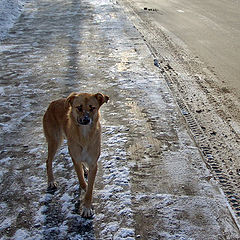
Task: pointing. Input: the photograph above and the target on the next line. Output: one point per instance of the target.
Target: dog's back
(53, 121)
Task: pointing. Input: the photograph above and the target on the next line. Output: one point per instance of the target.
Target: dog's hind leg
(52, 149)
(54, 140)
(54, 136)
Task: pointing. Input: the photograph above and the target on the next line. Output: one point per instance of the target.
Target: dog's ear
(101, 98)
(70, 98)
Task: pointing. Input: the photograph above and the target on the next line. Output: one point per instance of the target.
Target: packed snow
(10, 10)
(142, 135)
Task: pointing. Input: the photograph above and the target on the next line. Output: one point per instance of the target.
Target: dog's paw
(85, 170)
(52, 187)
(87, 212)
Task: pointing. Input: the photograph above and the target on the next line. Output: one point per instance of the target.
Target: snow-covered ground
(10, 10)
(151, 183)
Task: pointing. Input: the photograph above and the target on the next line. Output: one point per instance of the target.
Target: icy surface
(10, 10)
(151, 180)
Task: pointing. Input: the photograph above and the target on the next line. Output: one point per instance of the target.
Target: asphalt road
(199, 92)
(210, 29)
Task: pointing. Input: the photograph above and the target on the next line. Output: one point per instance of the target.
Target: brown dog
(76, 118)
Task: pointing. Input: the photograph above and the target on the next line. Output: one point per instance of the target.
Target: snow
(21, 234)
(5, 160)
(56, 214)
(10, 10)
(40, 216)
(116, 196)
(124, 233)
(8, 221)
(2, 92)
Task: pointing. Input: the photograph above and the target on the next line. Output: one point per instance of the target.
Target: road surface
(211, 29)
(152, 182)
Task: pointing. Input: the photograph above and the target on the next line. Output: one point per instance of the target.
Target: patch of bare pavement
(155, 181)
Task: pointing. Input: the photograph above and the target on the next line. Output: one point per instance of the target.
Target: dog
(76, 118)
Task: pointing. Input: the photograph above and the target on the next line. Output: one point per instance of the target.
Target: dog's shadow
(59, 225)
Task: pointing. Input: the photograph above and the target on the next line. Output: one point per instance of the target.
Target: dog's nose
(85, 120)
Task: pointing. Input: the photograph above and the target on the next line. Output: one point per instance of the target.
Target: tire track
(210, 123)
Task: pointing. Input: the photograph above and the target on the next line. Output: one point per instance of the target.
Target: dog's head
(85, 107)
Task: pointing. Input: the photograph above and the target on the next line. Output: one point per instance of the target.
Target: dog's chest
(85, 157)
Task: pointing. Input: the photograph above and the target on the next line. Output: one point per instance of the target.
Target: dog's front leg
(87, 211)
(80, 173)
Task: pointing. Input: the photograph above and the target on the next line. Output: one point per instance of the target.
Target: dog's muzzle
(85, 120)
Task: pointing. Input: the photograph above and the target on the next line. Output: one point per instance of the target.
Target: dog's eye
(79, 108)
(91, 108)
